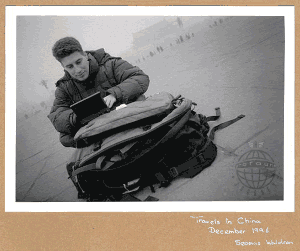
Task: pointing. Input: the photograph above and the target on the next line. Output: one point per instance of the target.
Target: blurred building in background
(163, 33)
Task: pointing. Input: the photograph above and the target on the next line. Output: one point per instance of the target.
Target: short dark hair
(65, 47)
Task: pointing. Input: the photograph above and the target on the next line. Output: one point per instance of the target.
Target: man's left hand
(110, 100)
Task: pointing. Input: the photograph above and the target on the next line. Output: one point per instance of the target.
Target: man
(87, 72)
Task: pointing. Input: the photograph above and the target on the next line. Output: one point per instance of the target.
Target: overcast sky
(37, 34)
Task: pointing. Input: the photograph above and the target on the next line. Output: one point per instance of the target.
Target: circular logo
(255, 169)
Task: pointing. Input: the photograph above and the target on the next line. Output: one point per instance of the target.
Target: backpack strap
(82, 169)
(200, 158)
(175, 129)
(223, 125)
(214, 118)
(190, 168)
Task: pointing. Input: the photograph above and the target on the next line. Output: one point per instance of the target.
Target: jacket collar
(94, 67)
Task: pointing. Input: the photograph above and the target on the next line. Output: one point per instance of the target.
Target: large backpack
(147, 142)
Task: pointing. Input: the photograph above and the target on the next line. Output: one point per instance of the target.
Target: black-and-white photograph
(152, 108)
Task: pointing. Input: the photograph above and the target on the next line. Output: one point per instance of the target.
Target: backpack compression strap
(220, 126)
(223, 125)
(191, 167)
(213, 118)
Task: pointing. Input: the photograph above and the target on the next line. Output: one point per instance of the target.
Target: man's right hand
(110, 100)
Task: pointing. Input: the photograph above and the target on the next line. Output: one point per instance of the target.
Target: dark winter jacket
(109, 75)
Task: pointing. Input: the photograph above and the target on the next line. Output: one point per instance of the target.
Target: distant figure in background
(87, 72)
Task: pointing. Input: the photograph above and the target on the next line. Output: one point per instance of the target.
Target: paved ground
(237, 65)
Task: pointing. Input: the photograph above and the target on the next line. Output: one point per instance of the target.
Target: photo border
(287, 205)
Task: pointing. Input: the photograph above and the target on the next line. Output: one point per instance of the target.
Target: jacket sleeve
(67, 140)
(61, 115)
(133, 82)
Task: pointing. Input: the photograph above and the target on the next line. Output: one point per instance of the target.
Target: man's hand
(110, 100)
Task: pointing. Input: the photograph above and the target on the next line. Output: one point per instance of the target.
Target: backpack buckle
(128, 189)
(173, 172)
(200, 158)
(131, 186)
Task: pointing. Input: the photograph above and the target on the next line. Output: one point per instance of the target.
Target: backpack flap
(138, 113)
(123, 138)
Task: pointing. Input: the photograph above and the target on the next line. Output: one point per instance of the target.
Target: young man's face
(77, 65)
